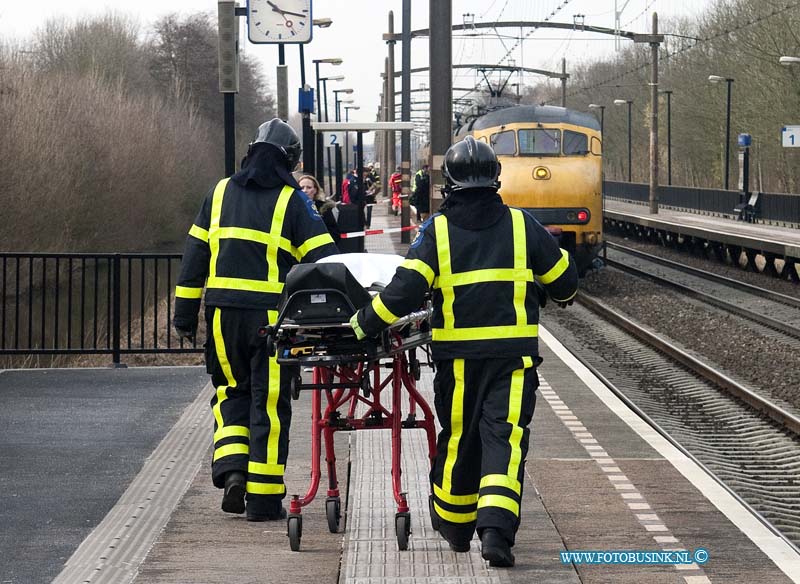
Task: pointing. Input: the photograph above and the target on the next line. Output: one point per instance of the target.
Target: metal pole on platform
(441, 84)
(654, 166)
(405, 140)
(391, 161)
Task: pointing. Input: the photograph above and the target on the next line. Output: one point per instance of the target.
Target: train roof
(546, 114)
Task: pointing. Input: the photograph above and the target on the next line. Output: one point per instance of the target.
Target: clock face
(279, 21)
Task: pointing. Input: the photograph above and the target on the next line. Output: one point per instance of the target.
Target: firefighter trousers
(485, 407)
(251, 405)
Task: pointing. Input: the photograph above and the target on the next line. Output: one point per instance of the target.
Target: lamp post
(729, 81)
(347, 109)
(320, 164)
(630, 156)
(789, 61)
(324, 101)
(602, 109)
(337, 101)
(668, 93)
(307, 104)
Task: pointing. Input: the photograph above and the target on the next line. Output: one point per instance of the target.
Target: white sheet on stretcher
(368, 268)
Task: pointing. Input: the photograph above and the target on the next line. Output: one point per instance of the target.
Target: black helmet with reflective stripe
(469, 164)
(280, 134)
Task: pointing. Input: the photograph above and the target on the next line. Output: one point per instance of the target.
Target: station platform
(767, 240)
(597, 479)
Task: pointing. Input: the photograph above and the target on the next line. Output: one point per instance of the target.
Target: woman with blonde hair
(326, 207)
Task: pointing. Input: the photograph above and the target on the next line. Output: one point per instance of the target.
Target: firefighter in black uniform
(251, 229)
(490, 268)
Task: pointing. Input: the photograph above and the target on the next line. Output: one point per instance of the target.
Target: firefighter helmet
(469, 164)
(280, 134)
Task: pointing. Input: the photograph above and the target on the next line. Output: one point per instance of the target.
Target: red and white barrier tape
(354, 234)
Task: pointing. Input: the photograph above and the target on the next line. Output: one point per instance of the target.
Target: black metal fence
(777, 208)
(65, 303)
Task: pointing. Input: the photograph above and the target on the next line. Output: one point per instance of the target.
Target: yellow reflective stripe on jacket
(482, 333)
(187, 292)
(384, 313)
(213, 227)
(313, 243)
(445, 269)
(553, 273)
(244, 284)
(421, 268)
(498, 480)
(520, 263)
(454, 499)
(275, 231)
(501, 501)
(198, 232)
(487, 275)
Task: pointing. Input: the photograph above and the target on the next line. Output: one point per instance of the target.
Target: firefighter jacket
(481, 259)
(242, 245)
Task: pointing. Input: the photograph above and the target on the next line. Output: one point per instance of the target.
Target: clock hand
(293, 13)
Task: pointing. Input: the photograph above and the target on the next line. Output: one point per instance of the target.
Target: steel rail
(777, 296)
(779, 415)
(772, 323)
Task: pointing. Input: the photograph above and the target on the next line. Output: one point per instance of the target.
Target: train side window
(540, 142)
(504, 143)
(597, 146)
(575, 143)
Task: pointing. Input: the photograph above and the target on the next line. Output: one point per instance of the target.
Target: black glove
(566, 302)
(187, 333)
(542, 293)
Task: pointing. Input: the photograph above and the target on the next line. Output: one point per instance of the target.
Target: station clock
(279, 21)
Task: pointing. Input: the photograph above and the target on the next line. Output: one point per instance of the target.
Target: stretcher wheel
(414, 366)
(295, 531)
(402, 528)
(294, 386)
(333, 511)
(434, 515)
(366, 388)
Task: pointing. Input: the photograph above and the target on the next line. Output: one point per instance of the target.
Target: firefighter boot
(495, 549)
(233, 497)
(269, 511)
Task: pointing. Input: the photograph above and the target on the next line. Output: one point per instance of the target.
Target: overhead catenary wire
(695, 41)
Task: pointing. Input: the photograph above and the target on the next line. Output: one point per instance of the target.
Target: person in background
(251, 229)
(420, 193)
(369, 196)
(396, 186)
(326, 207)
(490, 268)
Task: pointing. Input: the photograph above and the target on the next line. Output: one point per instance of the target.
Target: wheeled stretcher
(352, 378)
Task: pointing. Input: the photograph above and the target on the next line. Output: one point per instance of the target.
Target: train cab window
(575, 143)
(504, 143)
(540, 142)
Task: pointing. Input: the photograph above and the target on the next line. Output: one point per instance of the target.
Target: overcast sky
(358, 25)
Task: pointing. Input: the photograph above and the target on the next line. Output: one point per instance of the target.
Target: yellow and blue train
(552, 167)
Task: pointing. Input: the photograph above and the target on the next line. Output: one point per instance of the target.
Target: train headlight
(541, 173)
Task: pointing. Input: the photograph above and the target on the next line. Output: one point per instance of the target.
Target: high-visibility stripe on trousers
(485, 407)
(251, 404)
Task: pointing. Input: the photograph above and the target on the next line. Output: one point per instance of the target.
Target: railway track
(749, 443)
(771, 309)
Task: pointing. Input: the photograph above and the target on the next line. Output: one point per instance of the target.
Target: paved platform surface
(595, 479)
(773, 239)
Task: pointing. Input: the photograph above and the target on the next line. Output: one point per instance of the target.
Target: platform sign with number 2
(790, 136)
